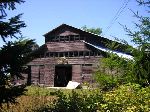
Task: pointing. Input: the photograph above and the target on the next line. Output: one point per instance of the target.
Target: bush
(113, 71)
(29, 104)
(127, 98)
(84, 101)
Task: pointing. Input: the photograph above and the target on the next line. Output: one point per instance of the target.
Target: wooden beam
(69, 38)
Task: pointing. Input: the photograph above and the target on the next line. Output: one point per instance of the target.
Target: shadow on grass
(8, 95)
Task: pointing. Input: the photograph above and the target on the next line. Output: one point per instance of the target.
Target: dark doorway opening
(63, 74)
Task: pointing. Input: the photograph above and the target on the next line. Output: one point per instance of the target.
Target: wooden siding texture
(66, 46)
(43, 69)
(76, 73)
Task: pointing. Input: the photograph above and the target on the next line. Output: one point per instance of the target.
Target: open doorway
(63, 74)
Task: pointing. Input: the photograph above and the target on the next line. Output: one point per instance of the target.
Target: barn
(69, 54)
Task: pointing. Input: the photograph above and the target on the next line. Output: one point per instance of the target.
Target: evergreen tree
(13, 55)
(10, 28)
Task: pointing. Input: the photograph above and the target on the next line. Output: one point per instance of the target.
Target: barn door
(63, 74)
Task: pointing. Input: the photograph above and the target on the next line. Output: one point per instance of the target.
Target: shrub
(127, 98)
(114, 71)
(84, 101)
(29, 104)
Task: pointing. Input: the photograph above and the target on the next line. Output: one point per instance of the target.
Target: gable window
(75, 53)
(81, 53)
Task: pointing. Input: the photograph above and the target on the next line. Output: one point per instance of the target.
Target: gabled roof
(99, 40)
(65, 25)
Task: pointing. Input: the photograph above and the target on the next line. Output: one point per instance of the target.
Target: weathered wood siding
(35, 74)
(76, 73)
(66, 41)
(49, 75)
(43, 69)
(66, 46)
(41, 74)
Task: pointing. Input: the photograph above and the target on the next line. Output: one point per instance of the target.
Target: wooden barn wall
(35, 74)
(87, 73)
(66, 46)
(43, 69)
(76, 73)
(49, 75)
(41, 74)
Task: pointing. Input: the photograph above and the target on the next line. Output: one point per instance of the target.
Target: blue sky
(42, 16)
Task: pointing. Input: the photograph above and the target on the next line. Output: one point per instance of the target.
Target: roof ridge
(77, 29)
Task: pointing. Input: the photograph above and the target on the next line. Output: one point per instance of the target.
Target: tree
(113, 68)
(141, 37)
(13, 55)
(113, 71)
(12, 27)
(138, 69)
(97, 31)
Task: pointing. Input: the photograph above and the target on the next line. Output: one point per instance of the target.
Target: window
(56, 54)
(66, 54)
(61, 54)
(75, 53)
(87, 53)
(71, 38)
(71, 54)
(81, 53)
(91, 53)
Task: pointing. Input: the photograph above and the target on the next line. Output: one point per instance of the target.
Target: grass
(43, 91)
(125, 98)
(35, 98)
(28, 104)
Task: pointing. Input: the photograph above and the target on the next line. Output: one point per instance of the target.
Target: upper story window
(73, 54)
(64, 38)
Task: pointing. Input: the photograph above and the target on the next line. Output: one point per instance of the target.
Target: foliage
(141, 37)
(29, 104)
(113, 71)
(8, 94)
(39, 91)
(141, 66)
(127, 98)
(97, 31)
(13, 26)
(78, 102)
(124, 98)
(13, 55)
